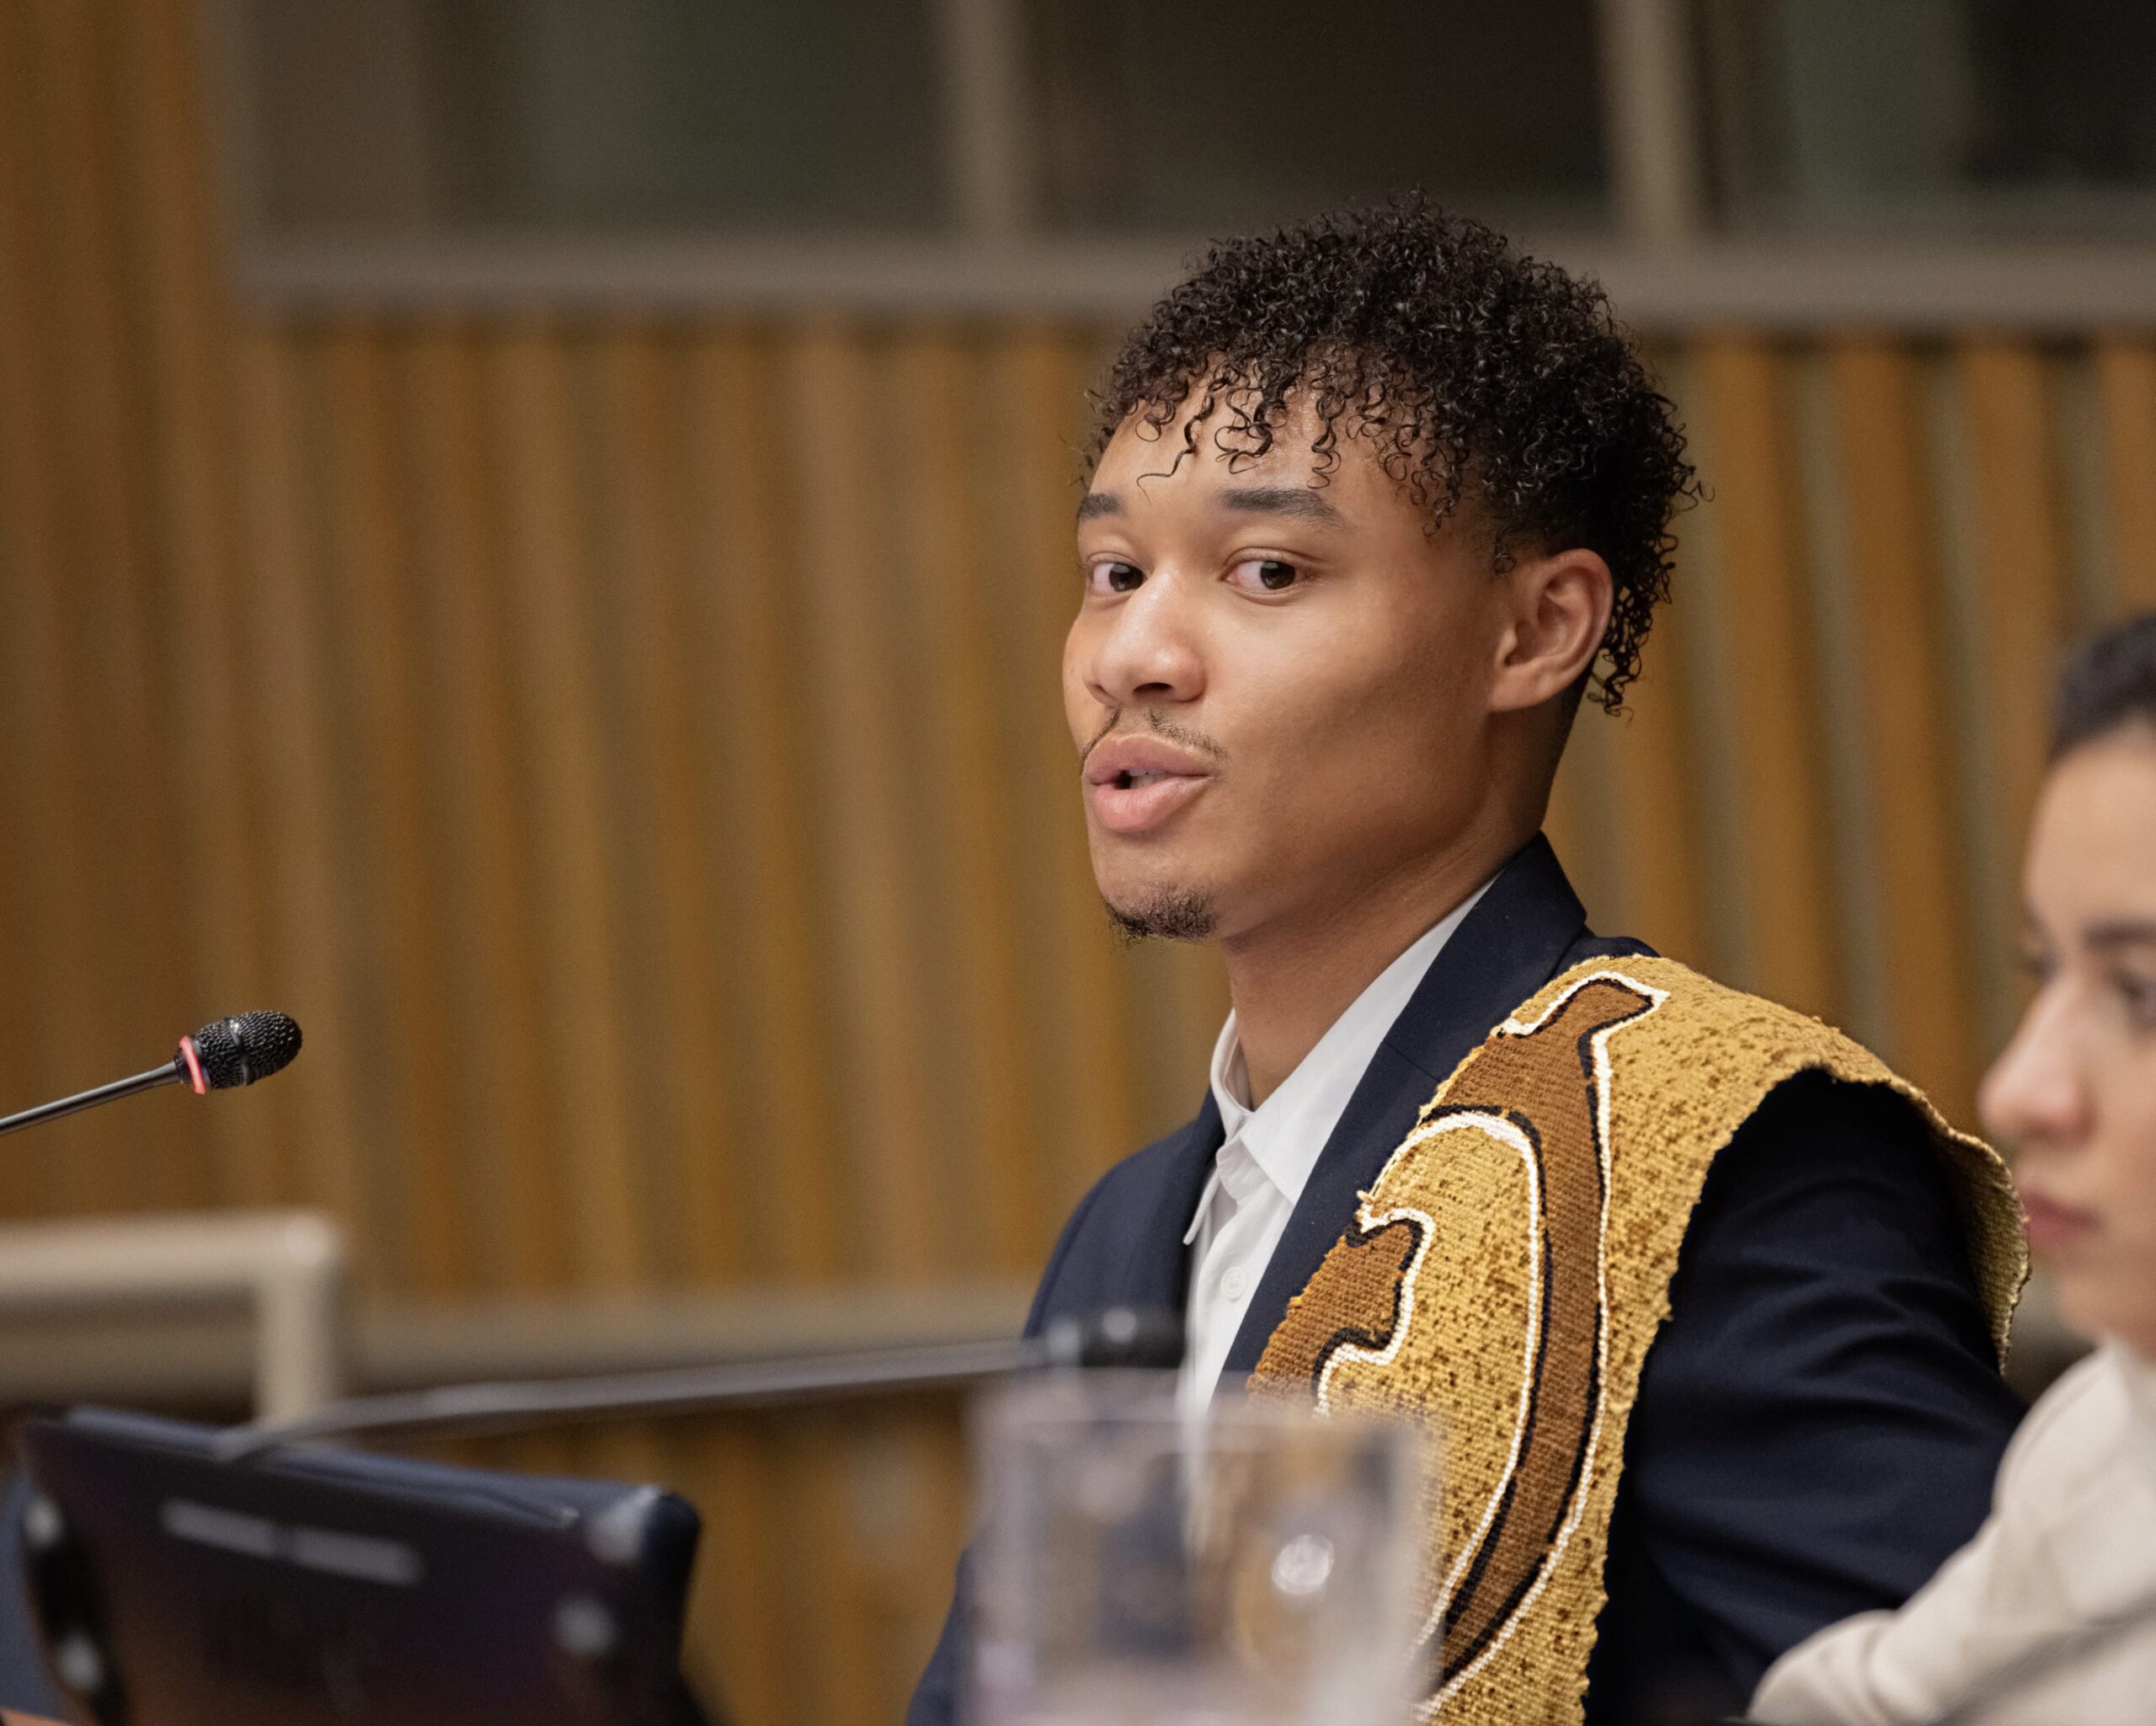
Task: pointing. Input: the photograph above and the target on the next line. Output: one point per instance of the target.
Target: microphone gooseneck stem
(466, 1410)
(1119, 1336)
(172, 1073)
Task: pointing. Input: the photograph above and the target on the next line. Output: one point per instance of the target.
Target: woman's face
(2075, 1092)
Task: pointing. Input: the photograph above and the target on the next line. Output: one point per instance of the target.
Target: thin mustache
(1160, 725)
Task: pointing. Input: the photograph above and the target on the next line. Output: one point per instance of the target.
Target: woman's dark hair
(2110, 684)
(1467, 368)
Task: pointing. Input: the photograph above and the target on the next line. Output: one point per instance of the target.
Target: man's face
(2075, 1092)
(1277, 680)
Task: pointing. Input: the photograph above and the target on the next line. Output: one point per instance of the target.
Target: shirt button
(1231, 1284)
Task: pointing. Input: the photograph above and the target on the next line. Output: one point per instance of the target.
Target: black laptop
(317, 1587)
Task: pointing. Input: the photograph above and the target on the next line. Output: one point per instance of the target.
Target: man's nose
(2034, 1093)
(1149, 653)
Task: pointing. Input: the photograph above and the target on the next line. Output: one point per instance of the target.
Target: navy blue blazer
(1818, 1422)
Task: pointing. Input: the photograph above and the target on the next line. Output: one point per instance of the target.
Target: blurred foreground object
(326, 1587)
(286, 1267)
(181, 1575)
(2048, 1615)
(1256, 1565)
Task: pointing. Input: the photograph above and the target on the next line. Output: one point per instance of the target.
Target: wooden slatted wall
(631, 751)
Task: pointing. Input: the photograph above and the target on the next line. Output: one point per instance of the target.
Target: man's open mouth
(1134, 784)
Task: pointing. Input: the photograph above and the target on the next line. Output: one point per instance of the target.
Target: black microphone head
(1120, 1336)
(238, 1051)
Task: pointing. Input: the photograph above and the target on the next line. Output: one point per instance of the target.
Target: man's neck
(1292, 980)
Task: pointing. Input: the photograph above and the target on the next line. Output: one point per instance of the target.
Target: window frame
(1665, 270)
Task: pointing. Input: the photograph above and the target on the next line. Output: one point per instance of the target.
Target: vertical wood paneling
(944, 565)
(2018, 539)
(508, 1125)
(77, 593)
(864, 741)
(907, 1502)
(290, 723)
(662, 752)
(177, 304)
(736, 1640)
(49, 1004)
(1653, 798)
(2125, 383)
(1909, 775)
(1786, 866)
(406, 998)
(789, 1118)
(1642, 820)
(831, 1668)
(110, 604)
(533, 421)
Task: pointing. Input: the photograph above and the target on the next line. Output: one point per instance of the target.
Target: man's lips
(1135, 783)
(2052, 1225)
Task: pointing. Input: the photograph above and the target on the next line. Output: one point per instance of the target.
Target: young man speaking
(1705, 1303)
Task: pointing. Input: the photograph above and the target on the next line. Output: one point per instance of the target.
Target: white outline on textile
(1505, 1132)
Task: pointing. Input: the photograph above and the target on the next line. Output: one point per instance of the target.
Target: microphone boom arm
(174, 1073)
(1118, 1337)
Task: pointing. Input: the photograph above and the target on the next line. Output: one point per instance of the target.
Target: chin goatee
(1173, 916)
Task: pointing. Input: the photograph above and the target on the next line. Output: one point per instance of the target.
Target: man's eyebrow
(1299, 501)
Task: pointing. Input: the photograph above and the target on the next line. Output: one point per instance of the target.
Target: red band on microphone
(193, 1066)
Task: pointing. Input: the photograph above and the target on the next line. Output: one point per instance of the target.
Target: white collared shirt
(1268, 1153)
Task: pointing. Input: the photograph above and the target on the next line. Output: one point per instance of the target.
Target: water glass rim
(1139, 1398)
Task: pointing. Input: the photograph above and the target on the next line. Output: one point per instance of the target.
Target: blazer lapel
(1156, 1271)
(1513, 942)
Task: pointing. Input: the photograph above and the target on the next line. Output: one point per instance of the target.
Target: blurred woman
(2050, 1613)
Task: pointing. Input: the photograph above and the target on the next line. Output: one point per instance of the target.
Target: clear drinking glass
(1255, 1566)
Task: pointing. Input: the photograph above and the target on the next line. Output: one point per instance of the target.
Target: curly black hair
(1461, 362)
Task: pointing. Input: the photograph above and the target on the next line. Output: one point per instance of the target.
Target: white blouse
(2048, 1615)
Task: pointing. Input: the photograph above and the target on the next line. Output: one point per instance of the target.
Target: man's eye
(1264, 575)
(1110, 576)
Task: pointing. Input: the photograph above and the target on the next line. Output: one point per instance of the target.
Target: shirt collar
(1285, 1133)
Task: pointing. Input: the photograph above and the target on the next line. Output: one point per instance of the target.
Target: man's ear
(1557, 613)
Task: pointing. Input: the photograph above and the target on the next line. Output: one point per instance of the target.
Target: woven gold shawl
(1504, 1277)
